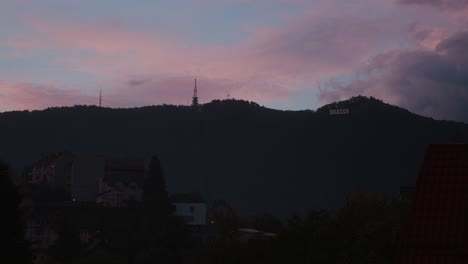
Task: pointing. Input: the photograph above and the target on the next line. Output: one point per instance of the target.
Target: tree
(187, 197)
(14, 245)
(324, 243)
(267, 223)
(158, 211)
(155, 197)
(368, 224)
(223, 220)
(67, 246)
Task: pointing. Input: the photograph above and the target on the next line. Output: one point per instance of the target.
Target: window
(187, 218)
(37, 230)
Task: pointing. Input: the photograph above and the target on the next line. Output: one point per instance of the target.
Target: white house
(191, 213)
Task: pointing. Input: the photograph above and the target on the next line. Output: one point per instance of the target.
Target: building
(407, 192)
(68, 186)
(89, 178)
(436, 230)
(86, 172)
(122, 182)
(40, 234)
(43, 228)
(192, 213)
(247, 234)
(73, 173)
(53, 169)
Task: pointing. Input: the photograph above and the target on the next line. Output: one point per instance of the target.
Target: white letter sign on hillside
(343, 111)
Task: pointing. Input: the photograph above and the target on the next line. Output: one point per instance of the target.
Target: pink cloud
(454, 11)
(443, 4)
(22, 96)
(428, 38)
(271, 64)
(310, 45)
(118, 55)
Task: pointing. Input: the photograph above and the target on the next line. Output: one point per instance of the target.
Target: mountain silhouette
(256, 158)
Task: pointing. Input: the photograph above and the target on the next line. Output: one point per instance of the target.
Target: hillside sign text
(343, 111)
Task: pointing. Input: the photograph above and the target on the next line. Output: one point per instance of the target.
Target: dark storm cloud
(432, 83)
(455, 47)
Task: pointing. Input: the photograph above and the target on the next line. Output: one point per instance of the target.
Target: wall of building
(61, 171)
(192, 213)
(86, 172)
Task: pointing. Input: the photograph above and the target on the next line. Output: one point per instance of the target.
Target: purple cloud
(444, 4)
(433, 83)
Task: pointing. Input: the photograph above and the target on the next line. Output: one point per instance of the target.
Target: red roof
(436, 230)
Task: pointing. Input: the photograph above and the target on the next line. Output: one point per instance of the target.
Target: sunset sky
(284, 54)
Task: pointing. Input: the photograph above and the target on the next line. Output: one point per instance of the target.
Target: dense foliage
(14, 245)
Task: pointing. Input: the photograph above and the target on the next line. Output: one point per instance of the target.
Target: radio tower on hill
(195, 97)
(100, 98)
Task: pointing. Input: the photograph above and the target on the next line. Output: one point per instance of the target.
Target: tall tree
(14, 245)
(157, 206)
(223, 220)
(155, 196)
(67, 246)
(369, 224)
(166, 236)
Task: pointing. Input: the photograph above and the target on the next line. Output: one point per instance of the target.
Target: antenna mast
(100, 98)
(195, 97)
